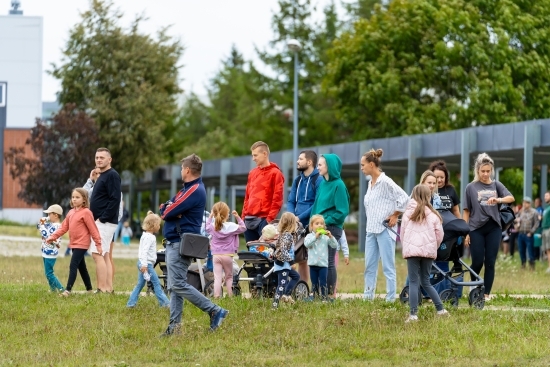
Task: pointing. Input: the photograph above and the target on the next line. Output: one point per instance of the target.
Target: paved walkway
(30, 246)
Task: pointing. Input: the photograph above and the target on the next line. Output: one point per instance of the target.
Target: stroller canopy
(453, 227)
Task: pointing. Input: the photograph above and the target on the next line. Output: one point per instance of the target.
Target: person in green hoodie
(332, 202)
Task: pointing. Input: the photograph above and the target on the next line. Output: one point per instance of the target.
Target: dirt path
(30, 246)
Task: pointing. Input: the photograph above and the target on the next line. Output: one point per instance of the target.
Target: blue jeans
(177, 267)
(526, 243)
(255, 234)
(379, 246)
(318, 277)
(419, 269)
(284, 286)
(54, 283)
(161, 297)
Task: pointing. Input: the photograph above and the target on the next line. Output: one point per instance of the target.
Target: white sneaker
(411, 318)
(443, 313)
(548, 270)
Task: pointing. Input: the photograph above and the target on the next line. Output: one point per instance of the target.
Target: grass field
(41, 328)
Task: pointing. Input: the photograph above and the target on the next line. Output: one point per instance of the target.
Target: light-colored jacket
(420, 239)
(318, 249)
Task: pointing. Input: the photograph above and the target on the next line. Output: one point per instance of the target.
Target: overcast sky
(207, 29)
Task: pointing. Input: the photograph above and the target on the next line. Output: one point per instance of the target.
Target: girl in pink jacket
(421, 234)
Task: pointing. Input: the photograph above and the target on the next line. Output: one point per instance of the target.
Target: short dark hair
(194, 163)
(310, 156)
(103, 150)
(441, 166)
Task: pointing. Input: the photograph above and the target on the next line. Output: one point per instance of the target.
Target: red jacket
(264, 192)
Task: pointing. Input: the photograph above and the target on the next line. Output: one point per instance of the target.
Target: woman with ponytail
(223, 244)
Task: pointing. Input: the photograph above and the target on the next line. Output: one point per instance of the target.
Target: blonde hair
(269, 232)
(314, 218)
(287, 223)
(374, 156)
(151, 221)
(220, 212)
(482, 160)
(422, 195)
(260, 144)
(427, 174)
(84, 193)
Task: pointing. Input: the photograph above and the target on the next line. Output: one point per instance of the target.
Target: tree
(317, 121)
(361, 9)
(423, 66)
(63, 154)
(126, 81)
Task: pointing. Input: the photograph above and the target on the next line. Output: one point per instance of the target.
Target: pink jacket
(420, 239)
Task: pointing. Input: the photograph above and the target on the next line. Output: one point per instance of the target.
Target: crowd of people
(318, 204)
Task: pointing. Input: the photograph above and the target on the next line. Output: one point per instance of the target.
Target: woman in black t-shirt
(447, 193)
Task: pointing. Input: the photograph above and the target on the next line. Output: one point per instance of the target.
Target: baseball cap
(54, 209)
(527, 199)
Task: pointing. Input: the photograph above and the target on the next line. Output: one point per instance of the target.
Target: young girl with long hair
(284, 257)
(223, 244)
(80, 222)
(421, 234)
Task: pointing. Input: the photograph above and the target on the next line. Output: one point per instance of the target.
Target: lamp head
(294, 45)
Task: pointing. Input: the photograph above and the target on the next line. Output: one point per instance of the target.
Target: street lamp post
(295, 46)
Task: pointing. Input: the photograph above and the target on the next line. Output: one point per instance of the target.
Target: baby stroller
(449, 250)
(199, 276)
(258, 266)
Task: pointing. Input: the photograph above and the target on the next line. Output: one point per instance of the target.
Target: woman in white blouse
(384, 201)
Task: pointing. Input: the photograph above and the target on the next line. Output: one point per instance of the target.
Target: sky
(207, 29)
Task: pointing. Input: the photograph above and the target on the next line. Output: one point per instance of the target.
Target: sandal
(65, 294)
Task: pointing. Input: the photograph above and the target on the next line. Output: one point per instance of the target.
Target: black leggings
(331, 274)
(78, 262)
(484, 245)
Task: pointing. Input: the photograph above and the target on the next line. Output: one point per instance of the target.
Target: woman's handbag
(507, 216)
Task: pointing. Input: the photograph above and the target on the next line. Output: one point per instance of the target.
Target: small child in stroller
(284, 257)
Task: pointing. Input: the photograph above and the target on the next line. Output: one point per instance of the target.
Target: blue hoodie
(302, 195)
(185, 210)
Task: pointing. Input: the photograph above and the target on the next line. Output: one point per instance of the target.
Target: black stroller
(449, 250)
(258, 265)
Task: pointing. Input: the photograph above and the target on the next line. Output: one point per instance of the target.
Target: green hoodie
(332, 199)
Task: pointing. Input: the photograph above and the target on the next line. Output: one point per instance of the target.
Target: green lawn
(41, 328)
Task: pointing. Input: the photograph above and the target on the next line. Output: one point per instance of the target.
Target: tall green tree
(236, 116)
(317, 121)
(127, 81)
(430, 65)
(361, 9)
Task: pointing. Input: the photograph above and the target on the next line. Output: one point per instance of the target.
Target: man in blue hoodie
(184, 213)
(302, 196)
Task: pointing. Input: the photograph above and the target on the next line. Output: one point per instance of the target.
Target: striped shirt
(381, 201)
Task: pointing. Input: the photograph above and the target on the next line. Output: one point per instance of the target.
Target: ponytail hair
(422, 195)
(220, 212)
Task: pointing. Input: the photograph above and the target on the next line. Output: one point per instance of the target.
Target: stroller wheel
(404, 296)
(300, 291)
(449, 296)
(237, 291)
(476, 298)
